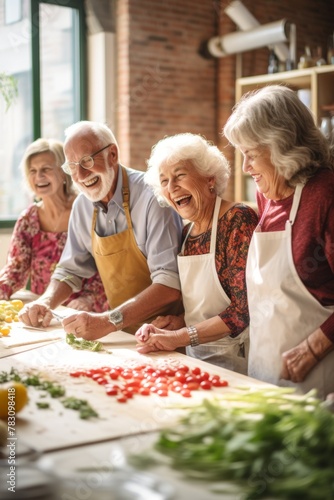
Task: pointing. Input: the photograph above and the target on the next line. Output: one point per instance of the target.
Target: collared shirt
(157, 231)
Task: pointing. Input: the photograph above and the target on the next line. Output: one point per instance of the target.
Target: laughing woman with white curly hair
(190, 174)
(290, 265)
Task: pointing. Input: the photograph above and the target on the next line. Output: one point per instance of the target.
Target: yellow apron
(122, 266)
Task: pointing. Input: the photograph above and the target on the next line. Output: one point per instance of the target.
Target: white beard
(100, 192)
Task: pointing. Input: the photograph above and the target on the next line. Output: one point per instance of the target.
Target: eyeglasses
(86, 162)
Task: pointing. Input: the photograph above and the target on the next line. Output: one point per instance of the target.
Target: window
(43, 48)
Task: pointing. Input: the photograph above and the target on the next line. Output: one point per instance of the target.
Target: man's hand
(89, 326)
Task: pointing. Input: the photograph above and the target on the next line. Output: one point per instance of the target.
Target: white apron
(282, 311)
(203, 298)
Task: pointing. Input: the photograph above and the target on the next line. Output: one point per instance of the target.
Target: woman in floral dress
(40, 232)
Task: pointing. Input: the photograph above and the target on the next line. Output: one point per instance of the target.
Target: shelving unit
(319, 80)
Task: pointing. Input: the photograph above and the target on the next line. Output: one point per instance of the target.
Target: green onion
(269, 442)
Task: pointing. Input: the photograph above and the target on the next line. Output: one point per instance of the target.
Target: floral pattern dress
(34, 254)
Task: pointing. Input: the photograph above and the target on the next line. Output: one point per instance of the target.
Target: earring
(211, 189)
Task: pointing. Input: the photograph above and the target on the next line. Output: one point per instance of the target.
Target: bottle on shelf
(330, 49)
(306, 60)
(319, 60)
(273, 65)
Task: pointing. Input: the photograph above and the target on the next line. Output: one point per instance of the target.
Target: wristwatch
(116, 318)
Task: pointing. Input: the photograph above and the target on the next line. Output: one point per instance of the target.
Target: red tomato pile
(124, 382)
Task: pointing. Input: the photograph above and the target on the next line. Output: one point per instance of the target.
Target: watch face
(116, 317)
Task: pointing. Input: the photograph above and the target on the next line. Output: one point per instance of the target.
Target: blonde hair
(47, 146)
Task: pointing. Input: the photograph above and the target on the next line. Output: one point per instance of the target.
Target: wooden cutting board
(59, 428)
(22, 338)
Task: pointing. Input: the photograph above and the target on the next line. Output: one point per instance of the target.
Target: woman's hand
(81, 304)
(169, 322)
(35, 314)
(300, 360)
(297, 363)
(152, 339)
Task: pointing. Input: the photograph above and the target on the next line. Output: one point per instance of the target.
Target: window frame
(80, 71)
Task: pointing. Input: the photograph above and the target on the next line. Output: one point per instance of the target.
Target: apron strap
(94, 219)
(126, 197)
(214, 228)
(295, 203)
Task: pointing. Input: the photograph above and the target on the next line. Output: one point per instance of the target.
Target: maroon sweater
(312, 237)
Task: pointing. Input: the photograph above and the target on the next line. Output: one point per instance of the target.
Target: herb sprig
(89, 345)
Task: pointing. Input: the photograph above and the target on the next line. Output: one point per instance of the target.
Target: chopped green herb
(42, 405)
(13, 375)
(53, 389)
(82, 406)
(90, 345)
(33, 380)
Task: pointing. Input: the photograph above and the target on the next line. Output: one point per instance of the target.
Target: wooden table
(63, 438)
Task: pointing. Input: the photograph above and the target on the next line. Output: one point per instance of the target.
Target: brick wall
(165, 86)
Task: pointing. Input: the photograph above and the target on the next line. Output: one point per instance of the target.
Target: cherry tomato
(127, 394)
(206, 385)
(144, 391)
(196, 370)
(162, 393)
(122, 399)
(183, 368)
(191, 386)
(177, 388)
(127, 374)
(106, 369)
(170, 372)
(102, 381)
(114, 374)
(204, 376)
(76, 374)
(111, 391)
(180, 375)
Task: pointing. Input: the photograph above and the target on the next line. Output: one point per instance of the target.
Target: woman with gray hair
(290, 265)
(40, 232)
(190, 174)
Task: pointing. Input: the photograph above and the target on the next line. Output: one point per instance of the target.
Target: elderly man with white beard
(118, 228)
